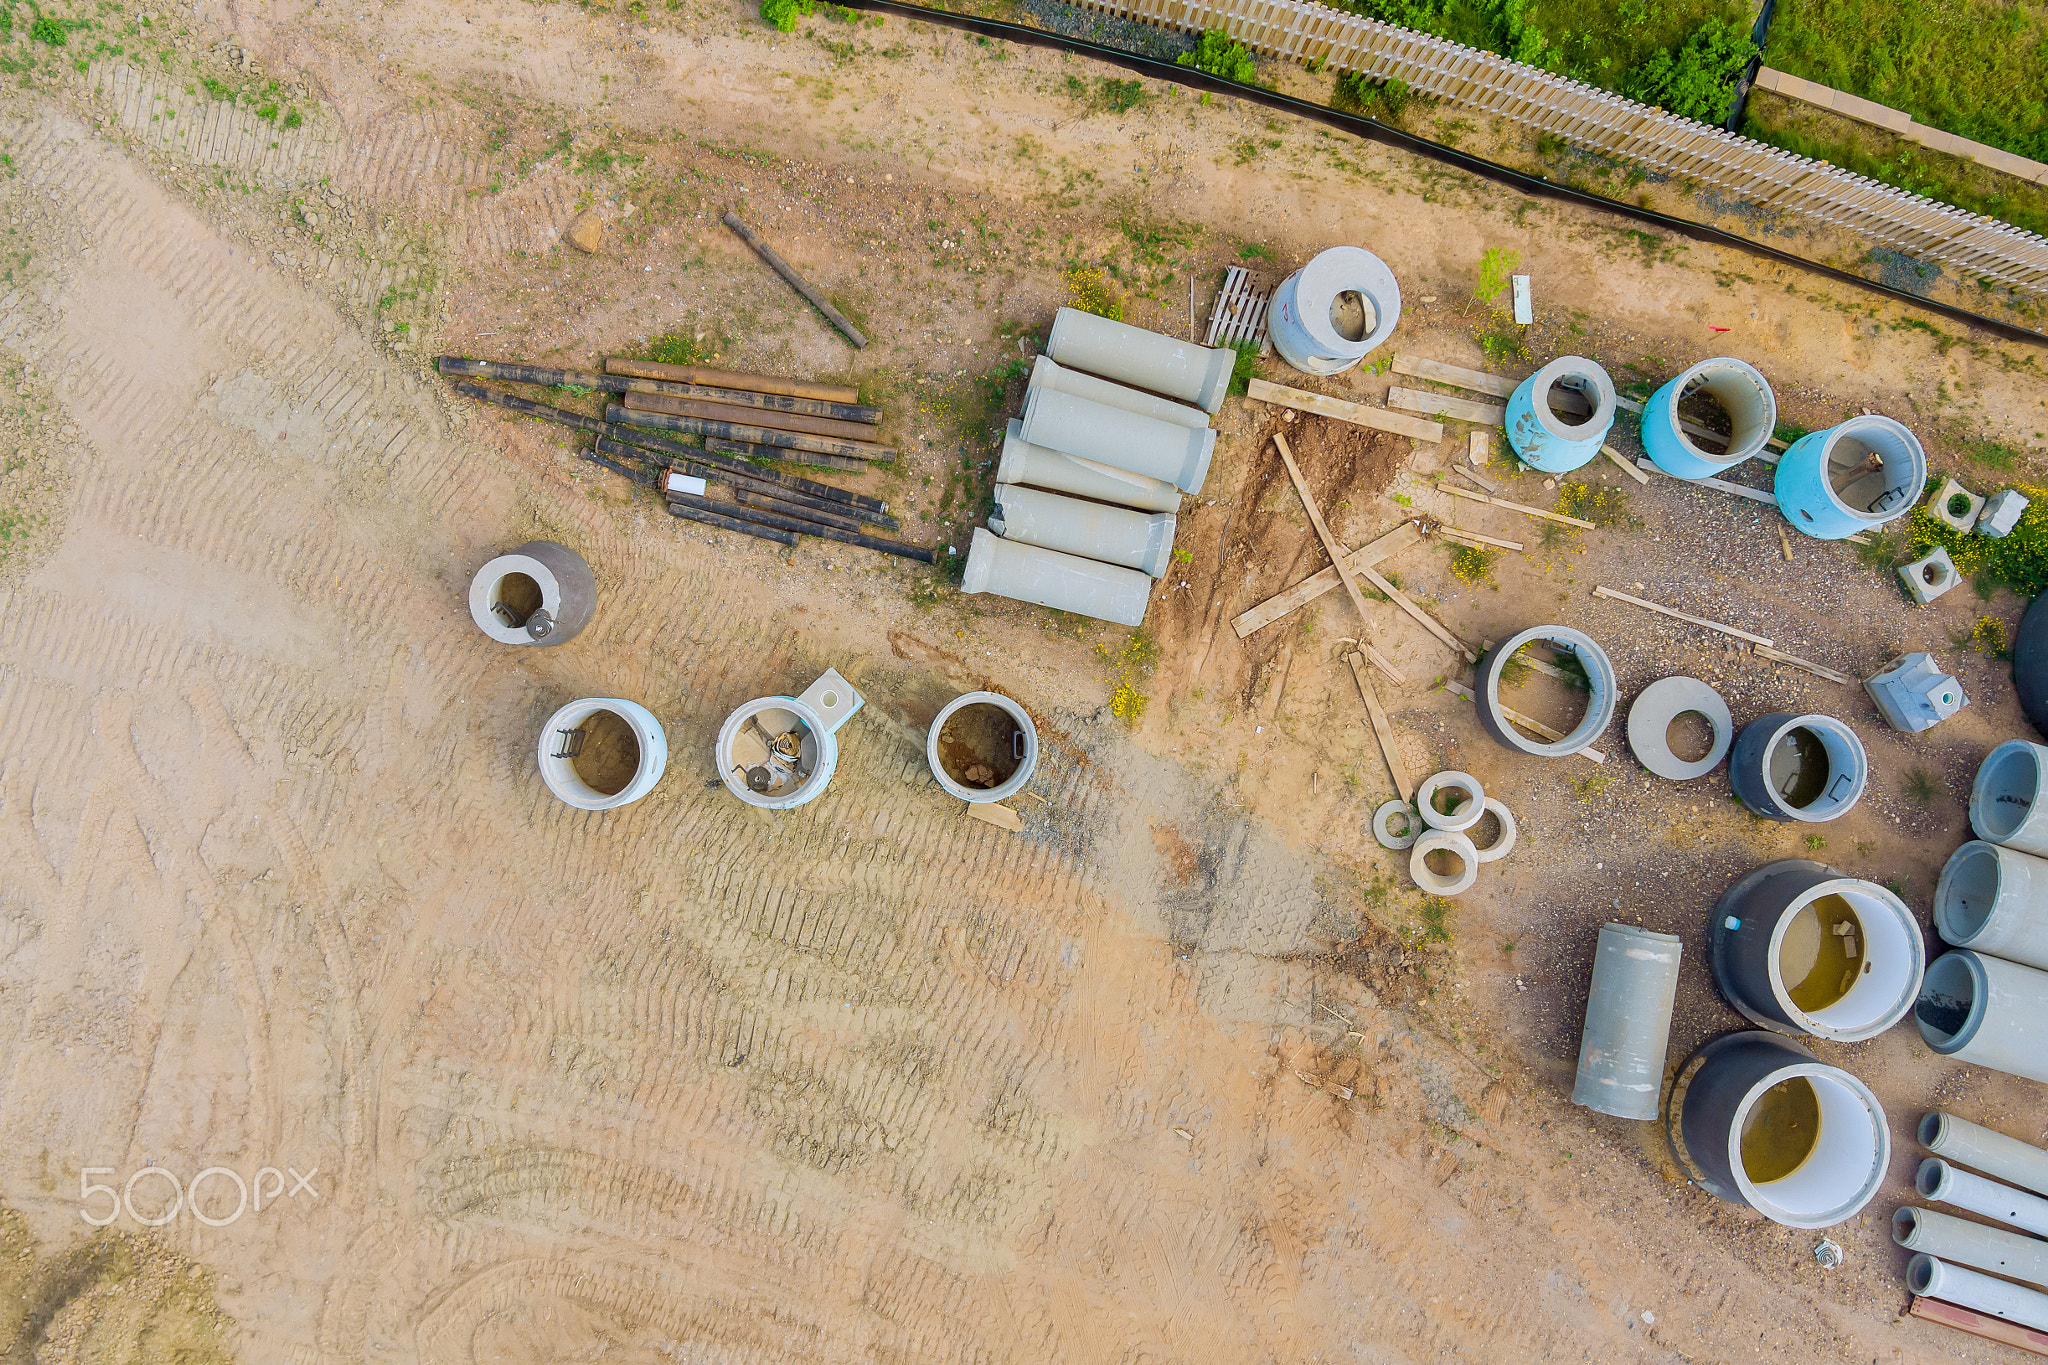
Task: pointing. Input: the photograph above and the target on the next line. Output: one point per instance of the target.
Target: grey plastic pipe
(1986, 1011)
(1995, 1154)
(1628, 1022)
(1742, 393)
(1994, 900)
(1955, 1239)
(1943, 1183)
(1048, 374)
(1025, 463)
(1132, 355)
(1114, 535)
(1935, 1279)
(2005, 799)
(1048, 578)
(1095, 431)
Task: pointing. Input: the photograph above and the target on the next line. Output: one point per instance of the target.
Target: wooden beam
(1457, 689)
(1516, 507)
(1330, 544)
(1475, 476)
(1623, 465)
(1682, 616)
(2000, 1330)
(1811, 667)
(1358, 414)
(1753, 494)
(1444, 528)
(1316, 584)
(1457, 376)
(1383, 730)
(1442, 405)
(1428, 622)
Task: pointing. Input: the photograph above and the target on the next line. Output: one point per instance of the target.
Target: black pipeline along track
(1358, 125)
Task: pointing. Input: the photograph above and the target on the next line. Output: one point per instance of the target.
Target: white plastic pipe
(1048, 578)
(1995, 1154)
(1986, 1011)
(1934, 1279)
(1132, 355)
(1342, 280)
(1955, 1239)
(1095, 431)
(1943, 1183)
(2005, 800)
(1048, 374)
(1994, 900)
(1114, 535)
(1025, 463)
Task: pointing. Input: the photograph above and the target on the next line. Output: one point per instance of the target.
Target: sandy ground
(1173, 1075)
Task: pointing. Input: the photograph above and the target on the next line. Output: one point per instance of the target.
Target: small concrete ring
(1649, 726)
(1468, 814)
(1448, 841)
(1505, 844)
(1381, 829)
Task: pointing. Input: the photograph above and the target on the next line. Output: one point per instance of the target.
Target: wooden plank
(1330, 543)
(1623, 465)
(1457, 376)
(1977, 1324)
(1442, 405)
(997, 814)
(1358, 414)
(1383, 730)
(1476, 477)
(1738, 633)
(1516, 507)
(1316, 584)
(1721, 485)
(1811, 667)
(1457, 689)
(1428, 622)
(1444, 528)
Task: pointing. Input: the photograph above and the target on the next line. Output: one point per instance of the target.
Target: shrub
(1390, 97)
(1219, 56)
(1089, 292)
(1697, 80)
(1473, 564)
(2018, 560)
(783, 14)
(47, 30)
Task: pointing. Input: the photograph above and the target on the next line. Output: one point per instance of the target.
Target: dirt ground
(1185, 1071)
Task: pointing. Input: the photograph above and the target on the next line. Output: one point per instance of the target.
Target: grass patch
(1606, 507)
(1473, 564)
(1242, 368)
(1921, 787)
(674, 349)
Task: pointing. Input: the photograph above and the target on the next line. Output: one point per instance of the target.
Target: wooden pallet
(1239, 314)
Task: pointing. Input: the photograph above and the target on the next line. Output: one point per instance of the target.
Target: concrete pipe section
(1935, 1279)
(982, 747)
(1995, 1154)
(1025, 463)
(776, 753)
(1994, 900)
(1048, 578)
(1114, 535)
(1095, 431)
(1756, 1120)
(1809, 769)
(1944, 1184)
(1453, 845)
(1503, 842)
(1331, 313)
(601, 753)
(1600, 698)
(1628, 1022)
(1949, 1238)
(1412, 825)
(2006, 805)
(1986, 1011)
(539, 594)
(1658, 707)
(1728, 392)
(1451, 801)
(1558, 416)
(1048, 374)
(1798, 946)
(1142, 359)
(1853, 477)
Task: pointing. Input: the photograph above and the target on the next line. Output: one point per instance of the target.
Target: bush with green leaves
(783, 14)
(1697, 80)
(2018, 559)
(1219, 56)
(47, 30)
(1389, 97)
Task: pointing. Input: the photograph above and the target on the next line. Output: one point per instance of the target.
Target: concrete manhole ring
(1382, 826)
(1649, 726)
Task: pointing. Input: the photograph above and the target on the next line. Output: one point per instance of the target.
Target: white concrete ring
(1449, 841)
(1505, 844)
(1649, 725)
(1467, 814)
(1381, 825)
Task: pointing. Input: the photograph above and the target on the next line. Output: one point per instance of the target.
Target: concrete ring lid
(1382, 828)
(1649, 726)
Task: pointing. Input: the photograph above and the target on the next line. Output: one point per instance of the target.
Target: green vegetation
(1088, 291)
(674, 349)
(1473, 564)
(1605, 507)
(1219, 56)
(1386, 99)
(1496, 268)
(1921, 788)
(2018, 560)
(1129, 669)
(1241, 368)
(1977, 68)
(1696, 80)
(47, 30)
(783, 14)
